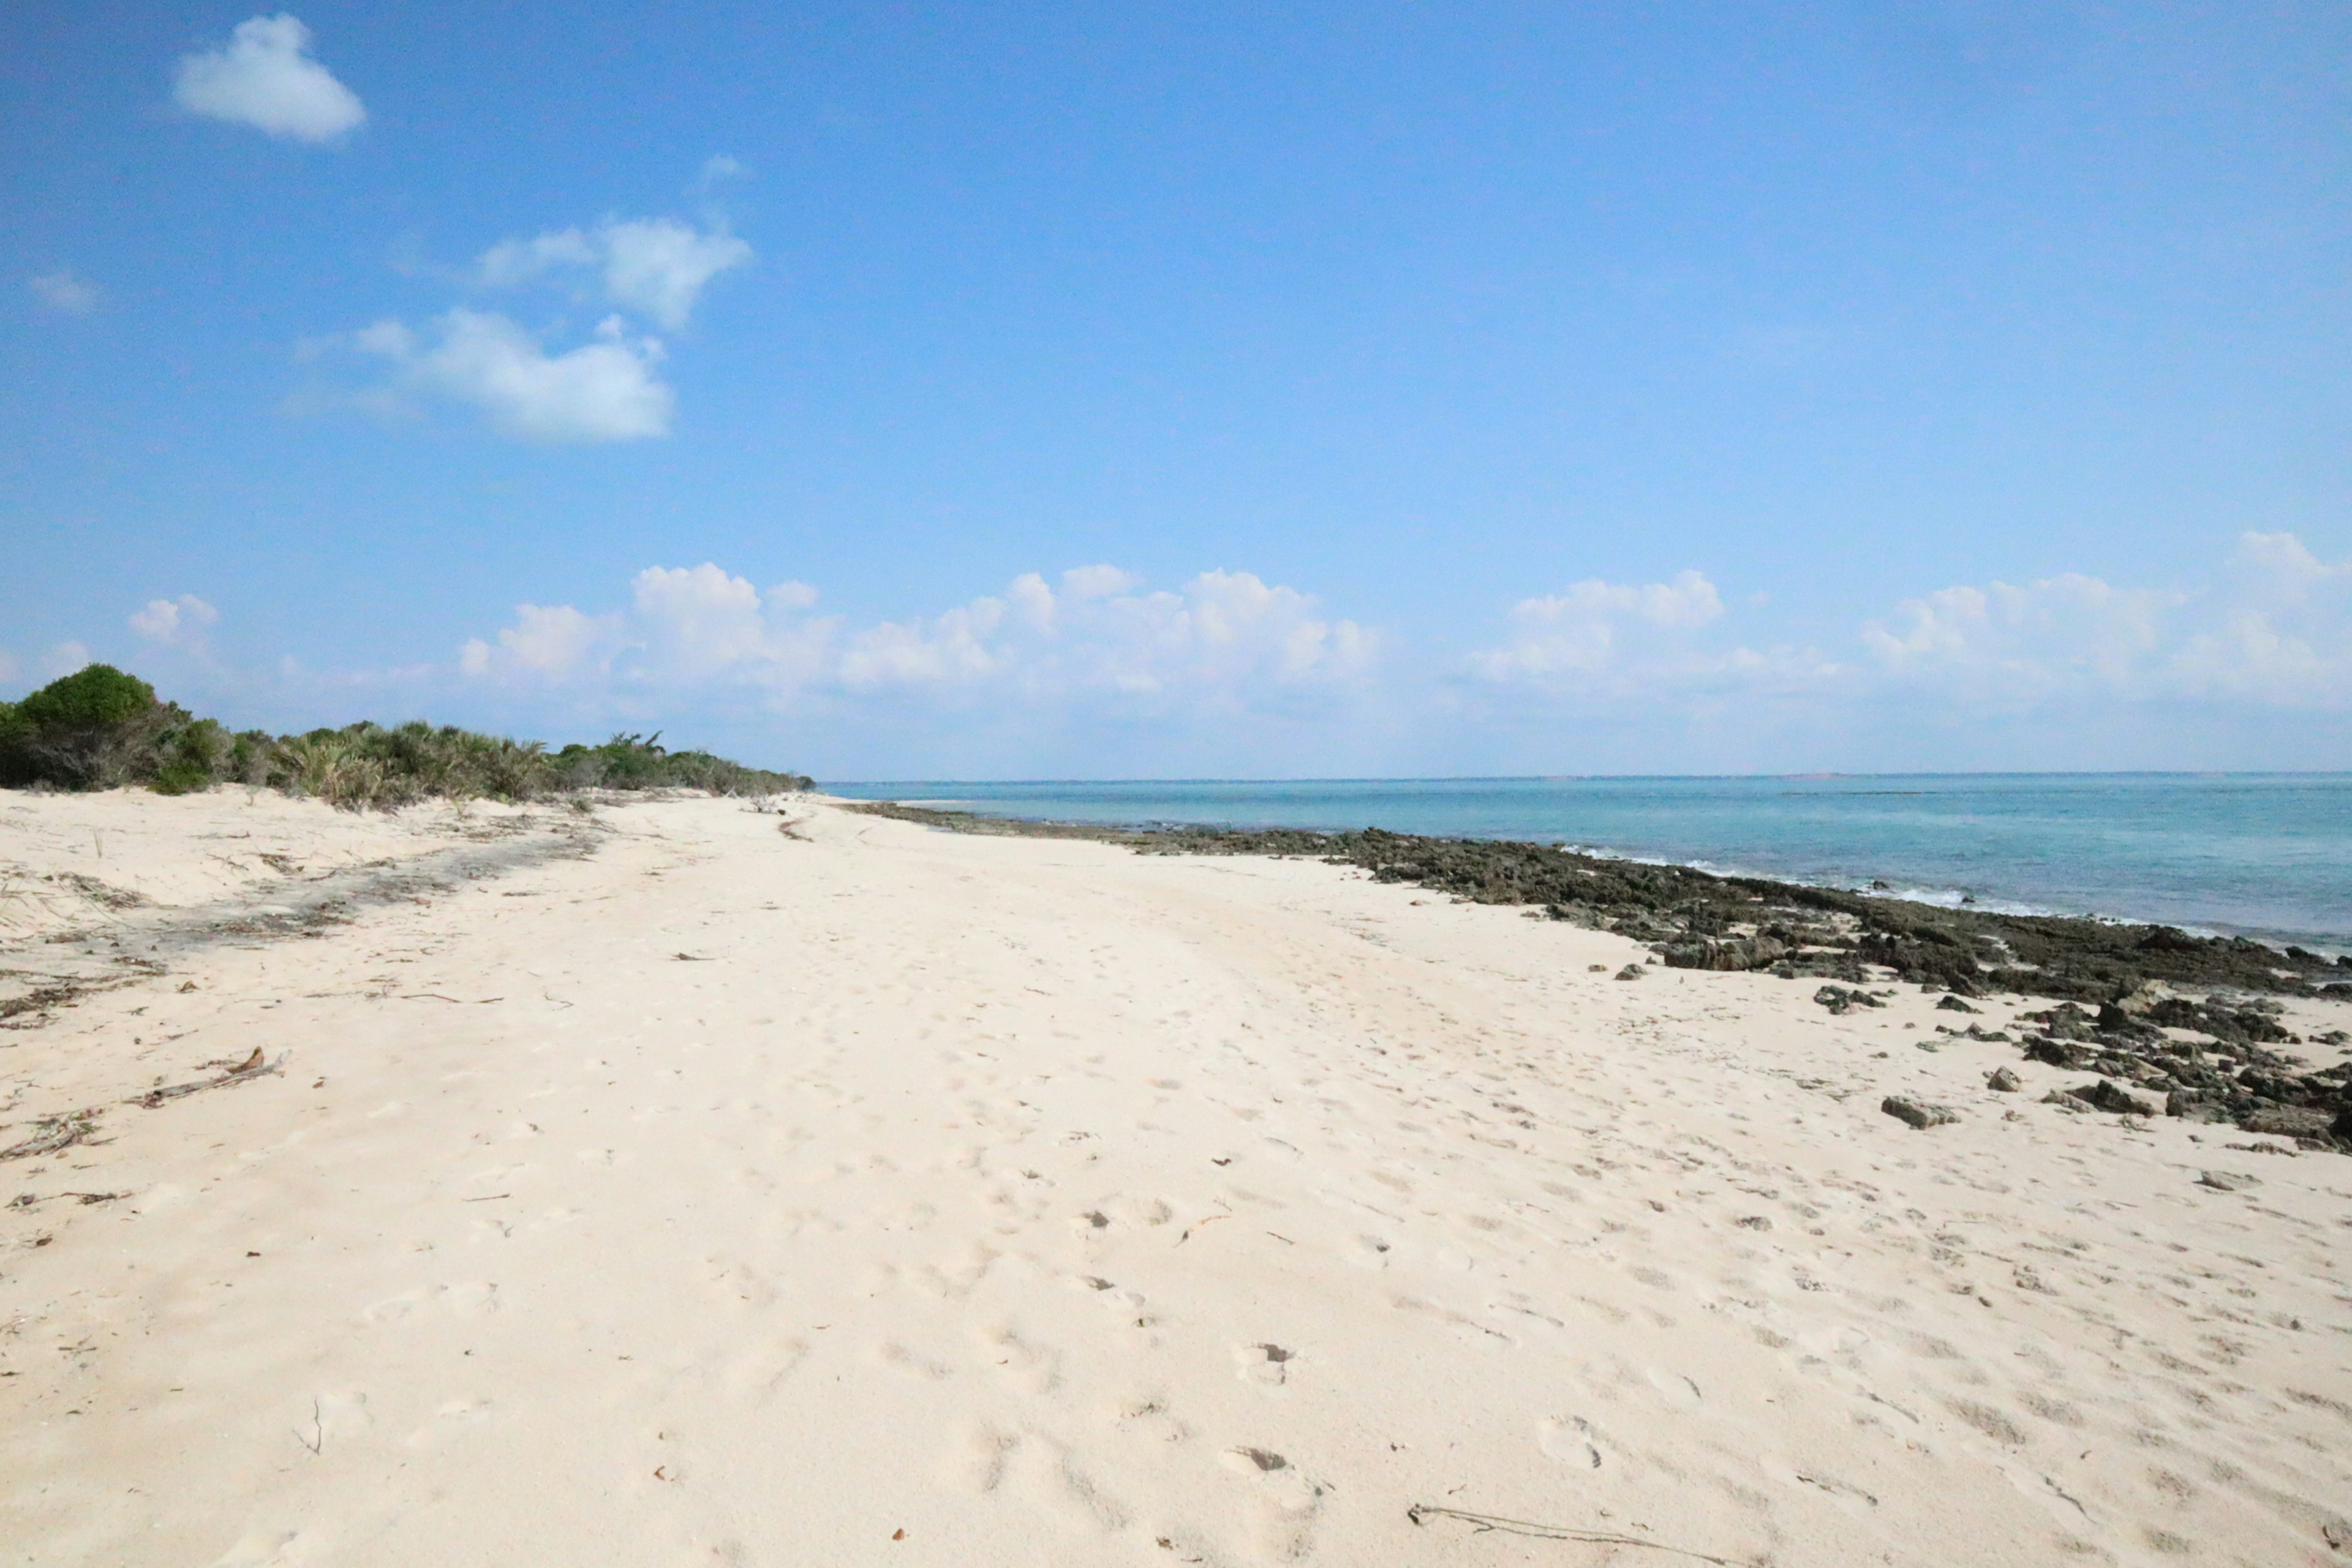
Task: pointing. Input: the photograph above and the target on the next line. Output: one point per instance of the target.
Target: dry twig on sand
(245, 1071)
(1422, 1513)
(56, 1133)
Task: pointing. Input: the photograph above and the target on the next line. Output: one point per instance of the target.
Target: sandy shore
(661, 1188)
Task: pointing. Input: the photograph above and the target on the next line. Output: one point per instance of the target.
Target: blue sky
(1149, 390)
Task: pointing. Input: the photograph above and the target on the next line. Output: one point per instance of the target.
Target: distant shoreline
(1687, 910)
(2261, 855)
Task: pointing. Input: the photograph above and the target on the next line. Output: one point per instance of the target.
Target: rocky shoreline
(2190, 1020)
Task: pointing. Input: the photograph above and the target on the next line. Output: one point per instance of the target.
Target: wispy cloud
(605, 390)
(265, 76)
(655, 266)
(64, 291)
(176, 623)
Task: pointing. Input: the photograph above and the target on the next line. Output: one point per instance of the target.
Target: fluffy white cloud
(602, 391)
(656, 266)
(2020, 644)
(558, 641)
(1600, 646)
(2275, 629)
(2281, 630)
(63, 291)
(265, 77)
(1582, 631)
(176, 623)
(685, 626)
(1225, 641)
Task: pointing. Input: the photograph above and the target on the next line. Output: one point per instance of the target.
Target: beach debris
(1954, 1005)
(2228, 1180)
(1917, 1113)
(52, 1134)
(1630, 972)
(253, 1067)
(1843, 999)
(2004, 1080)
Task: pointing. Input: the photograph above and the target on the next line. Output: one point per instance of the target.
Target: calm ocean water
(2263, 854)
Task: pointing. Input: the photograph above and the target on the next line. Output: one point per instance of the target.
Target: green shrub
(93, 696)
(195, 757)
(100, 727)
(91, 729)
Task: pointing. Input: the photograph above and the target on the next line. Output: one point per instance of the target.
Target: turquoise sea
(2265, 854)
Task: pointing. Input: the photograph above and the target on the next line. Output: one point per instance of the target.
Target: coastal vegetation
(101, 728)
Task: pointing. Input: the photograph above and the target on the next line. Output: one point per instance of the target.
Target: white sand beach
(659, 1187)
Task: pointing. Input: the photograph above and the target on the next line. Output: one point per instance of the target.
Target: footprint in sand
(1283, 1506)
(1026, 1364)
(450, 1423)
(473, 1299)
(976, 1461)
(1679, 1391)
(1264, 1364)
(1570, 1439)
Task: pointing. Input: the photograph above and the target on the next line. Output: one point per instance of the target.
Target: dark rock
(1840, 999)
(2006, 1081)
(1954, 1005)
(2291, 1121)
(2105, 1094)
(1742, 953)
(2066, 1099)
(1916, 1113)
(1630, 972)
(2057, 1053)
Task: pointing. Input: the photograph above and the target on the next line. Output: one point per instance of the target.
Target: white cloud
(656, 266)
(266, 78)
(685, 626)
(2275, 630)
(63, 291)
(2282, 631)
(602, 391)
(1582, 631)
(557, 641)
(1097, 582)
(1226, 640)
(2015, 644)
(176, 623)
